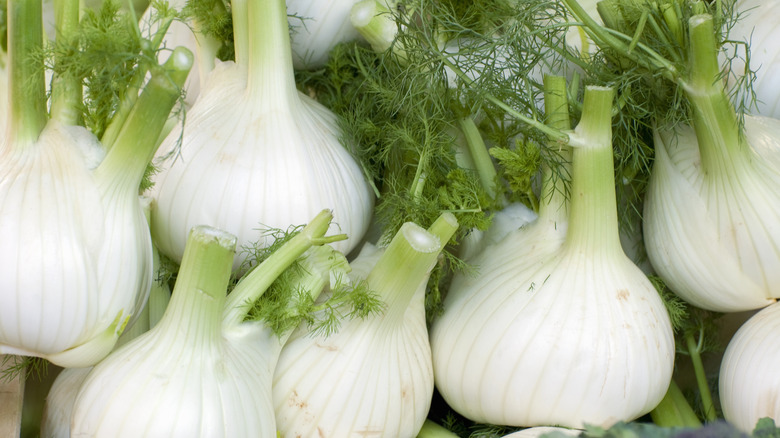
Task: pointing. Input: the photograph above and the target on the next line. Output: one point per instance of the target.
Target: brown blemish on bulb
(622, 295)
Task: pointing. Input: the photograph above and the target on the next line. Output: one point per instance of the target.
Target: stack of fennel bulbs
(205, 370)
(711, 208)
(255, 152)
(558, 326)
(79, 259)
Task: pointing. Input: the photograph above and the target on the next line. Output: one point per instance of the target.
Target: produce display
(389, 218)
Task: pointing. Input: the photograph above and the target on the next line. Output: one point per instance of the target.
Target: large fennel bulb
(78, 254)
(374, 375)
(749, 387)
(558, 327)
(203, 370)
(711, 213)
(255, 152)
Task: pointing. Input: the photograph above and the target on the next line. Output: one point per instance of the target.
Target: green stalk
(255, 283)
(26, 83)
(479, 155)
(198, 298)
(714, 118)
(136, 143)
(271, 75)
(433, 430)
(407, 262)
(130, 96)
(66, 91)
(701, 378)
(554, 205)
(674, 410)
(593, 224)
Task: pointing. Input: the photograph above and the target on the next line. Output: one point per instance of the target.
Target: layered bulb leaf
(558, 326)
(317, 27)
(749, 386)
(255, 152)
(711, 212)
(78, 261)
(374, 375)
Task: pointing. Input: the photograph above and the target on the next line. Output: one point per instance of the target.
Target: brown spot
(327, 347)
(622, 295)
(295, 401)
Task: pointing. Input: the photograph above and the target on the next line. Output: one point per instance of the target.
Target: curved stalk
(701, 378)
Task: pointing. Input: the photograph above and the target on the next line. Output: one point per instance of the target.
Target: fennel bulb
(203, 370)
(78, 260)
(317, 27)
(255, 152)
(374, 375)
(713, 202)
(749, 387)
(558, 326)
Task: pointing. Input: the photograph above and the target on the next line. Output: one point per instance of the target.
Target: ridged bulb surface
(159, 386)
(371, 378)
(544, 336)
(78, 254)
(317, 27)
(749, 383)
(264, 166)
(716, 241)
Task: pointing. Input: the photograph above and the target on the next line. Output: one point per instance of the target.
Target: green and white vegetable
(558, 327)
(203, 357)
(78, 250)
(255, 152)
(375, 374)
(317, 27)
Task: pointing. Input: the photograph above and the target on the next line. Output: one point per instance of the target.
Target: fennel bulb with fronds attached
(205, 370)
(78, 260)
(374, 375)
(558, 326)
(255, 152)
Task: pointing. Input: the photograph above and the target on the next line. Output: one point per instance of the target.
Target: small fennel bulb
(713, 202)
(749, 387)
(204, 370)
(558, 326)
(256, 152)
(374, 375)
(78, 264)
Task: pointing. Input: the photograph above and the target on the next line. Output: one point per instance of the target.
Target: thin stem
(254, 284)
(478, 152)
(554, 205)
(26, 83)
(701, 378)
(136, 143)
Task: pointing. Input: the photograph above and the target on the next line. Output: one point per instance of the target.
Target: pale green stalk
(255, 283)
(269, 62)
(674, 410)
(433, 430)
(701, 377)
(26, 83)
(66, 91)
(554, 204)
(593, 221)
(407, 262)
(479, 155)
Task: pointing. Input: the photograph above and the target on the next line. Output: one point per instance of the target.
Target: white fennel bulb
(558, 326)
(78, 261)
(749, 387)
(757, 26)
(374, 375)
(204, 370)
(711, 212)
(542, 431)
(317, 27)
(255, 152)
